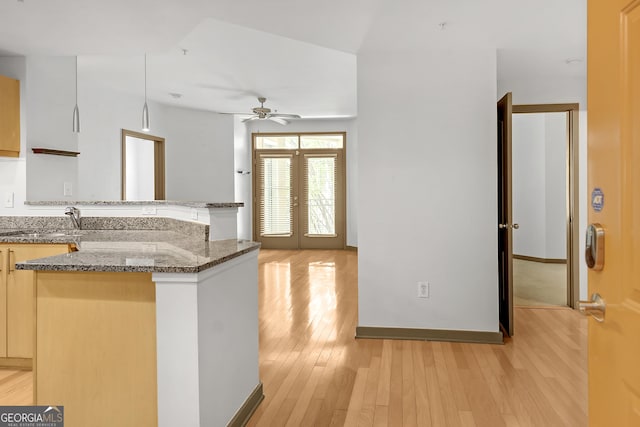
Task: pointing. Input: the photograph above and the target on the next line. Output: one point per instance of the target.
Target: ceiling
(300, 54)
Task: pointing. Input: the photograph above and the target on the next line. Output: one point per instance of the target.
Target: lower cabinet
(17, 310)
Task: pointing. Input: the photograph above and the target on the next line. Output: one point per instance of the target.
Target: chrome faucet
(74, 214)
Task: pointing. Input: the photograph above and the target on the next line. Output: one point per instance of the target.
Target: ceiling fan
(264, 113)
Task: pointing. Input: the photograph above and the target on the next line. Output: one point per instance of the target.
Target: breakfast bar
(144, 327)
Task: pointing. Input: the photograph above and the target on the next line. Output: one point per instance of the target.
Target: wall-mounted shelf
(55, 152)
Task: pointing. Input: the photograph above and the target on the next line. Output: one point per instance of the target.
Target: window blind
(320, 191)
(276, 216)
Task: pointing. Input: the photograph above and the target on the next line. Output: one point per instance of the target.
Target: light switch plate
(423, 289)
(8, 199)
(68, 189)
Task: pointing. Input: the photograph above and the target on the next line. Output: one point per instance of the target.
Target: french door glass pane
(276, 215)
(275, 142)
(321, 195)
(322, 141)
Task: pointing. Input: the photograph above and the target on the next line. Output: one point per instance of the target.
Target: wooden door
(505, 227)
(614, 167)
(300, 199)
(277, 201)
(322, 211)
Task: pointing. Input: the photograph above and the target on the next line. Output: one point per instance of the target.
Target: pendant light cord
(76, 80)
(145, 78)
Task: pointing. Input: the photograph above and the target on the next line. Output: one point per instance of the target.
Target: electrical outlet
(149, 210)
(423, 289)
(68, 189)
(8, 199)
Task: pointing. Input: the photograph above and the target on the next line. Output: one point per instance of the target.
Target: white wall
(103, 114)
(555, 125)
(548, 90)
(140, 169)
(50, 101)
(427, 189)
(528, 175)
(13, 171)
(539, 184)
(243, 181)
(199, 150)
(348, 125)
(199, 145)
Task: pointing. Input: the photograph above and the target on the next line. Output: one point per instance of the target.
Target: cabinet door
(20, 291)
(9, 117)
(4, 268)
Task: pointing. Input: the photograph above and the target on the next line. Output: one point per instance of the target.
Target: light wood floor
(316, 374)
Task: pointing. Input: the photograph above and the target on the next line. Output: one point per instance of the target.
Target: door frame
(158, 162)
(572, 188)
(254, 183)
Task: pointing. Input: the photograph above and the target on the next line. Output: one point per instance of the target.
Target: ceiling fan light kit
(264, 113)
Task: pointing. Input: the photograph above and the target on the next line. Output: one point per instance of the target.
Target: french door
(299, 198)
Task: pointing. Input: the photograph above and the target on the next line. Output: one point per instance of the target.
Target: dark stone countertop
(129, 250)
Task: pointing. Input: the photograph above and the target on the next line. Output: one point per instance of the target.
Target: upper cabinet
(9, 117)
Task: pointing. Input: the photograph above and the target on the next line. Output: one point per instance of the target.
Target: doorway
(539, 167)
(508, 225)
(299, 190)
(143, 175)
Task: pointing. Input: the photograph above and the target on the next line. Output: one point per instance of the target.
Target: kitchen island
(145, 327)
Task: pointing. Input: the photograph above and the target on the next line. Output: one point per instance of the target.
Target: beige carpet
(536, 283)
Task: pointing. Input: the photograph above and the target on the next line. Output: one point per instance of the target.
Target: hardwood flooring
(316, 374)
(16, 387)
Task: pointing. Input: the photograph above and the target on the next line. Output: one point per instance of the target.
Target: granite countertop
(189, 204)
(130, 251)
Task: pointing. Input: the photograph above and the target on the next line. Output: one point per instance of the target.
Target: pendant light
(145, 109)
(76, 110)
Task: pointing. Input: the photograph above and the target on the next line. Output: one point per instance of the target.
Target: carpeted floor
(539, 284)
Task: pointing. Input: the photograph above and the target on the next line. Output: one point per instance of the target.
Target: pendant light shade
(145, 109)
(76, 110)
(145, 118)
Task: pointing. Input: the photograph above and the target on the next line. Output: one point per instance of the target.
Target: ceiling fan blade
(250, 118)
(286, 116)
(283, 122)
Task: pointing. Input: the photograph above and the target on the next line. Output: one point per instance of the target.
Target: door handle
(10, 266)
(595, 308)
(514, 226)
